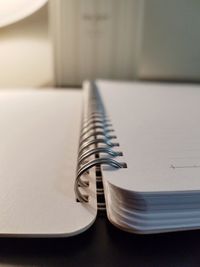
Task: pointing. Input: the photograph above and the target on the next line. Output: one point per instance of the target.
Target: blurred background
(63, 42)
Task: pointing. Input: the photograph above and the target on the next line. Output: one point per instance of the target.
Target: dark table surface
(104, 245)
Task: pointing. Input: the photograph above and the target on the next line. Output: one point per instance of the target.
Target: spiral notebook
(131, 150)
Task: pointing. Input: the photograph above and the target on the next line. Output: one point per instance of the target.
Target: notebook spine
(96, 147)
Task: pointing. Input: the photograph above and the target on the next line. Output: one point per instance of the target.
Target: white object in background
(170, 40)
(13, 11)
(154, 39)
(94, 39)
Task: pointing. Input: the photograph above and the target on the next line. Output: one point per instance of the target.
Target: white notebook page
(38, 154)
(158, 128)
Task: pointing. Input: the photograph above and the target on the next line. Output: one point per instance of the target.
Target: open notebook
(133, 145)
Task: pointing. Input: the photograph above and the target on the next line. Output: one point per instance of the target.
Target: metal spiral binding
(95, 141)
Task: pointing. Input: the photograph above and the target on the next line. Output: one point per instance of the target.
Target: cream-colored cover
(38, 154)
